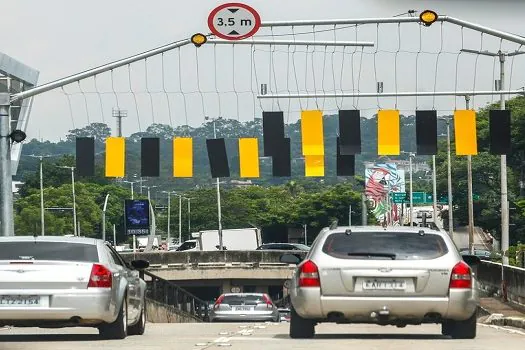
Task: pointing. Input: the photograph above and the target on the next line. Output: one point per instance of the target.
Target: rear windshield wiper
(381, 255)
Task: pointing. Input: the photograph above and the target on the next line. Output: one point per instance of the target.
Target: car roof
(82, 240)
(416, 230)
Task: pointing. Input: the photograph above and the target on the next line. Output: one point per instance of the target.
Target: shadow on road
(371, 336)
(28, 338)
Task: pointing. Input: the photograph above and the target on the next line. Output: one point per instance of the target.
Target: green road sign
(418, 197)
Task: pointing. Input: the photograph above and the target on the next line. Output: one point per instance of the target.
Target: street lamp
(72, 168)
(131, 183)
(219, 216)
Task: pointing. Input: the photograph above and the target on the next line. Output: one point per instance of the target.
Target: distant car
(283, 246)
(244, 307)
(388, 276)
(54, 282)
(483, 254)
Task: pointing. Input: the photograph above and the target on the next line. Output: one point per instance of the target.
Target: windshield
(187, 245)
(385, 245)
(246, 299)
(56, 251)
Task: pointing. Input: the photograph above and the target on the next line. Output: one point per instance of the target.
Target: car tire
(119, 328)
(140, 327)
(300, 328)
(465, 329)
(446, 327)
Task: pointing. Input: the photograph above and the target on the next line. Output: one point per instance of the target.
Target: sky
(63, 37)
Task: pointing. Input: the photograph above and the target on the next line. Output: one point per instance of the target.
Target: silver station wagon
(244, 307)
(386, 276)
(70, 282)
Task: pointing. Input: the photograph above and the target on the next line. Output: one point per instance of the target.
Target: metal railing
(168, 293)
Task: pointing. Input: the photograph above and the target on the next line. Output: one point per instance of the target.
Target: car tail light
(309, 275)
(101, 277)
(268, 301)
(218, 302)
(461, 276)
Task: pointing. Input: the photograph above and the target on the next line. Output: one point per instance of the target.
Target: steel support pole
(503, 175)
(364, 210)
(350, 215)
(189, 217)
(449, 175)
(169, 223)
(470, 195)
(411, 191)
(74, 201)
(42, 220)
(6, 183)
(219, 214)
(104, 218)
(434, 187)
(180, 219)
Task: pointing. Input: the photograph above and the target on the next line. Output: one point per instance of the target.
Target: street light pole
(434, 187)
(169, 217)
(180, 219)
(503, 176)
(189, 217)
(411, 190)
(470, 195)
(104, 219)
(219, 215)
(42, 221)
(449, 175)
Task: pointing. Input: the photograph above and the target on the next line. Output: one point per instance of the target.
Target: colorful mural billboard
(380, 180)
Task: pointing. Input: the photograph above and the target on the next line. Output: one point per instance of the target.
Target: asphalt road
(260, 336)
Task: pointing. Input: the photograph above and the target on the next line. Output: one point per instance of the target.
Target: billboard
(380, 181)
(136, 212)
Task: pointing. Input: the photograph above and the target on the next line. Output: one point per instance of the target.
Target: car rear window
(243, 299)
(56, 251)
(385, 245)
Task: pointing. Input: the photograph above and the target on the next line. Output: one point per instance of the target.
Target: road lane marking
(505, 329)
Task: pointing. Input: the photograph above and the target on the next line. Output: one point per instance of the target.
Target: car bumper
(89, 306)
(458, 305)
(255, 317)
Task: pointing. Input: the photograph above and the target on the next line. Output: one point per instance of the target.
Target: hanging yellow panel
(249, 157)
(314, 165)
(183, 157)
(312, 133)
(465, 135)
(388, 133)
(115, 156)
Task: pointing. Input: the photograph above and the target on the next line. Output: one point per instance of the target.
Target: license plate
(382, 284)
(19, 300)
(243, 308)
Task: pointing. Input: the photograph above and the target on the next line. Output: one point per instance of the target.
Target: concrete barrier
(161, 313)
(489, 277)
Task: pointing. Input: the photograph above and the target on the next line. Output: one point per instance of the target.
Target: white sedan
(56, 281)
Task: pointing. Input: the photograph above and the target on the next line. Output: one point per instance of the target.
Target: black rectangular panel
(350, 132)
(345, 163)
(273, 131)
(218, 158)
(281, 164)
(499, 131)
(426, 132)
(150, 156)
(85, 156)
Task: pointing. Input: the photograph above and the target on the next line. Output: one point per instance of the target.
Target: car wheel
(139, 327)
(119, 328)
(300, 327)
(465, 329)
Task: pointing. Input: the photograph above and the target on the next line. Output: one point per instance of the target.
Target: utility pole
(449, 175)
(180, 219)
(6, 191)
(470, 194)
(189, 217)
(219, 215)
(169, 223)
(364, 210)
(503, 169)
(305, 234)
(119, 114)
(434, 187)
(350, 215)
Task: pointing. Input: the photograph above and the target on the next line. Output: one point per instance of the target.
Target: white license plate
(384, 284)
(243, 308)
(19, 300)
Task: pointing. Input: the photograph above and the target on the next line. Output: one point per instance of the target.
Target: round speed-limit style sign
(234, 21)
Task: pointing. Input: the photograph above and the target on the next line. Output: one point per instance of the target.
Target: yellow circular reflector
(198, 39)
(428, 17)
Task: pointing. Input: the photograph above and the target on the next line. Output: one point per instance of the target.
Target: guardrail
(513, 289)
(169, 293)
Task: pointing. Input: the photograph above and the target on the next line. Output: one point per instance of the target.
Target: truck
(232, 239)
(142, 242)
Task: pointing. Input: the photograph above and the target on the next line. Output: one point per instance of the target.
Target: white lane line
(500, 328)
(222, 340)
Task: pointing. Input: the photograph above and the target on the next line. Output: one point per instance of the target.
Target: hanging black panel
(350, 132)
(281, 164)
(426, 132)
(85, 156)
(218, 158)
(273, 131)
(499, 131)
(150, 156)
(345, 163)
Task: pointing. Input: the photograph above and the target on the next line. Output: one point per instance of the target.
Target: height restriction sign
(234, 21)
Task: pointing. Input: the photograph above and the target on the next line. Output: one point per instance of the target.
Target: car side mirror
(140, 264)
(471, 260)
(290, 259)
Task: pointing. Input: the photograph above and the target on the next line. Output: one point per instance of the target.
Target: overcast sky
(62, 37)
